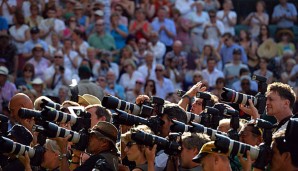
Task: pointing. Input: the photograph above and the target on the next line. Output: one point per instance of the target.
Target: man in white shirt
(184, 7)
(211, 73)
(157, 47)
(51, 25)
(147, 69)
(164, 86)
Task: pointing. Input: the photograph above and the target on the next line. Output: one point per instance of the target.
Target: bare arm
(191, 93)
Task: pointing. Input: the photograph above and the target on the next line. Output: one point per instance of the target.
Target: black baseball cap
(34, 30)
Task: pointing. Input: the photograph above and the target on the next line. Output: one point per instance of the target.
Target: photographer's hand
(25, 160)
(141, 99)
(250, 110)
(150, 156)
(246, 164)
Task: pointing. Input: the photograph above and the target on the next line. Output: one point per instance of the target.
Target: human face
(246, 136)
(159, 72)
(186, 156)
(50, 159)
(165, 128)
(132, 151)
(274, 104)
(259, 6)
(277, 159)
(99, 26)
(93, 145)
(197, 106)
(93, 118)
(28, 71)
(149, 59)
(211, 65)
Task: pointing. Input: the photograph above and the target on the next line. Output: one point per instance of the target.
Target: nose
(126, 149)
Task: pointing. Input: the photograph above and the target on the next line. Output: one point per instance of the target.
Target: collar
(282, 122)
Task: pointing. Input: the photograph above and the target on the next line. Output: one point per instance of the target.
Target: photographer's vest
(112, 160)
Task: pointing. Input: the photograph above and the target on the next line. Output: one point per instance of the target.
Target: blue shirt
(226, 54)
(3, 24)
(29, 45)
(163, 37)
(119, 40)
(289, 11)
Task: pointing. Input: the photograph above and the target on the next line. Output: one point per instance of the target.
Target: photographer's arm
(190, 94)
(251, 110)
(25, 160)
(62, 143)
(150, 156)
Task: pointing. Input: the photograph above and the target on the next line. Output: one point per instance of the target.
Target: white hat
(99, 13)
(3, 70)
(37, 81)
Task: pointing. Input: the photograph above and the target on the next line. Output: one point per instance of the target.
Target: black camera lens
(292, 127)
(45, 102)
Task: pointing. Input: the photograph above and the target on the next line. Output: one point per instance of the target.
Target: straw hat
(268, 49)
(88, 99)
(285, 31)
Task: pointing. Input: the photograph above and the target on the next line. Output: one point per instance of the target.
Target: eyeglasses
(118, 9)
(129, 144)
(212, 16)
(158, 70)
(150, 85)
(245, 83)
(58, 57)
(27, 70)
(138, 82)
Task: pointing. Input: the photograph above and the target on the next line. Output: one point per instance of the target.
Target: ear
(286, 157)
(103, 118)
(195, 151)
(287, 102)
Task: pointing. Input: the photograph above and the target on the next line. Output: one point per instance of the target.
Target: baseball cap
(3, 70)
(34, 30)
(237, 51)
(99, 13)
(208, 148)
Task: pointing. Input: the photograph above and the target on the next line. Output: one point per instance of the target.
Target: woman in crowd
(149, 8)
(118, 9)
(228, 17)
(127, 53)
(263, 71)
(134, 151)
(256, 19)
(182, 29)
(219, 84)
(285, 76)
(149, 88)
(208, 52)
(82, 19)
(34, 19)
(24, 82)
(129, 78)
(118, 31)
(140, 27)
(138, 90)
(79, 43)
(285, 38)
(56, 44)
(128, 7)
(264, 34)
(250, 47)
(20, 32)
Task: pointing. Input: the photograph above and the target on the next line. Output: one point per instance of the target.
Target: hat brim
(198, 158)
(102, 136)
(83, 101)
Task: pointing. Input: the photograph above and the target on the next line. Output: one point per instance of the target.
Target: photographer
(101, 146)
(279, 103)
(212, 159)
(250, 134)
(98, 113)
(18, 101)
(197, 105)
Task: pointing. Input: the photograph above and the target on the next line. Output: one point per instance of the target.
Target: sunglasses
(138, 82)
(129, 144)
(158, 70)
(58, 57)
(245, 83)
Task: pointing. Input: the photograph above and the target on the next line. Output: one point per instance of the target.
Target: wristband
(74, 162)
(61, 156)
(186, 96)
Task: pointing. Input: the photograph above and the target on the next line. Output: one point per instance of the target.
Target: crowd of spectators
(130, 46)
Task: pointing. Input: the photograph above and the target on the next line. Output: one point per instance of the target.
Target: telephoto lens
(191, 117)
(172, 147)
(113, 103)
(11, 147)
(235, 148)
(52, 130)
(53, 105)
(194, 127)
(3, 125)
(230, 95)
(154, 122)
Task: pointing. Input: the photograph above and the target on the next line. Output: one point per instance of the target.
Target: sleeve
(244, 56)
(275, 12)
(294, 70)
(293, 10)
(4, 24)
(160, 51)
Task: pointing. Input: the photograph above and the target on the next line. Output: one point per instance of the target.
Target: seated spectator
(284, 15)
(68, 11)
(97, 15)
(82, 19)
(138, 90)
(34, 19)
(28, 74)
(211, 73)
(148, 8)
(118, 31)
(128, 7)
(213, 30)
(118, 9)
(285, 38)
(256, 19)
(184, 7)
(39, 61)
(129, 78)
(237, 85)
(72, 60)
(178, 54)
(56, 44)
(208, 52)
(286, 75)
(51, 25)
(141, 51)
(38, 86)
(211, 5)
(245, 86)
(8, 89)
(219, 84)
(228, 17)
(231, 70)
(264, 34)
(79, 43)
(156, 47)
(147, 69)
(127, 53)
(140, 27)
(263, 71)
(113, 88)
(164, 86)
(150, 88)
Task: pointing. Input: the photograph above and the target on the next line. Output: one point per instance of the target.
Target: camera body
(3, 125)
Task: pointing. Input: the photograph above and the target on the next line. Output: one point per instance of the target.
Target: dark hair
(254, 129)
(229, 35)
(243, 70)
(154, 87)
(211, 59)
(31, 66)
(80, 33)
(19, 17)
(284, 91)
(260, 34)
(175, 111)
(101, 111)
(284, 146)
(220, 79)
(262, 3)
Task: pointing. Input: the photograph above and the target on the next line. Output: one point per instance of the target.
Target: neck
(140, 160)
(191, 165)
(284, 115)
(210, 70)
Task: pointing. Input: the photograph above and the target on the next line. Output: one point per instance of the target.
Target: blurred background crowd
(151, 47)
